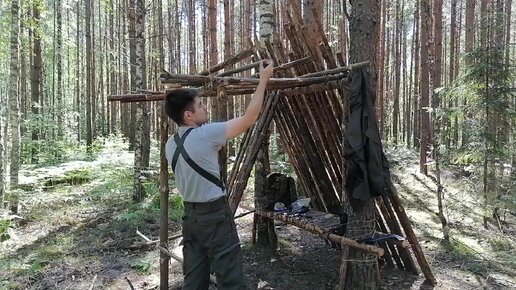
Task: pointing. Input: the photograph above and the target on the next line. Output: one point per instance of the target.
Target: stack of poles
(307, 103)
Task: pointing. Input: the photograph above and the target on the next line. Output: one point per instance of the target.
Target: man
(210, 239)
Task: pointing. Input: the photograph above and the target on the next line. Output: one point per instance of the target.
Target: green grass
(501, 244)
(142, 266)
(73, 177)
(471, 260)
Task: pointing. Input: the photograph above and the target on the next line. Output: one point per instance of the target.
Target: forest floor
(81, 234)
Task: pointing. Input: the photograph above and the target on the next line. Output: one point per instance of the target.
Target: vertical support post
(222, 115)
(163, 201)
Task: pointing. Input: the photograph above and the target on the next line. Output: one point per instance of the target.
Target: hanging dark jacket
(368, 169)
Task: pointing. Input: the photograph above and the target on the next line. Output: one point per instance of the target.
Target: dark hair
(178, 101)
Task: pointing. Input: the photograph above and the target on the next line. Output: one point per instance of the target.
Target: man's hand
(239, 125)
(266, 72)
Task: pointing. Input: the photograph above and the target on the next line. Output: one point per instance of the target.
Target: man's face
(198, 115)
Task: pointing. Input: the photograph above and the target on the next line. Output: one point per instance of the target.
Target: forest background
(445, 87)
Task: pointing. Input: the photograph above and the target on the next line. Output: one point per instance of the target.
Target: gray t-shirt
(202, 144)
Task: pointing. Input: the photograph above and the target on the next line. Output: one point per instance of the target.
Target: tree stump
(277, 188)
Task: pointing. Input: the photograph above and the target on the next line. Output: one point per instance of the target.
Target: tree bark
(452, 71)
(228, 49)
(59, 64)
(424, 148)
(313, 11)
(468, 47)
(416, 91)
(164, 192)
(2, 177)
(380, 60)
(89, 85)
(436, 119)
(266, 235)
(14, 106)
(137, 78)
(114, 85)
(36, 76)
(77, 74)
(191, 37)
(397, 75)
(364, 35)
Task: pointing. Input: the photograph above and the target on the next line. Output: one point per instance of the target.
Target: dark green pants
(211, 244)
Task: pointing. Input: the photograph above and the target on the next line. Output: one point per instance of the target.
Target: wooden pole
(229, 62)
(274, 83)
(411, 236)
(164, 191)
(319, 231)
(244, 172)
(256, 64)
(337, 70)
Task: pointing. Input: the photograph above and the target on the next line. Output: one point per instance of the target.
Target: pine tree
(14, 113)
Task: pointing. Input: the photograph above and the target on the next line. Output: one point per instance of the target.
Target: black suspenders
(181, 150)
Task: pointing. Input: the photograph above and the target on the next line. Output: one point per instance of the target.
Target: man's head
(185, 107)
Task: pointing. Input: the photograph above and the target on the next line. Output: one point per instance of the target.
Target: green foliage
(486, 113)
(467, 156)
(53, 149)
(114, 181)
(142, 266)
(5, 225)
(175, 202)
(278, 159)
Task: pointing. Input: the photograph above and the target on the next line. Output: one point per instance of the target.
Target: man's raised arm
(239, 125)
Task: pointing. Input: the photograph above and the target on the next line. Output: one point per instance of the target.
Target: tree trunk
(89, 93)
(364, 35)
(512, 122)
(405, 114)
(424, 148)
(59, 64)
(313, 11)
(145, 136)
(24, 101)
(113, 76)
(77, 75)
(137, 13)
(380, 60)
(36, 77)
(397, 75)
(484, 44)
(228, 49)
(468, 47)
(451, 72)
(93, 104)
(213, 52)
(14, 106)
(132, 65)
(191, 37)
(436, 119)
(2, 177)
(265, 228)
(416, 91)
